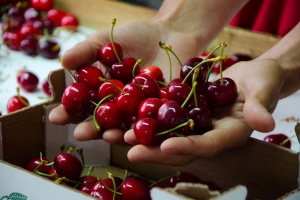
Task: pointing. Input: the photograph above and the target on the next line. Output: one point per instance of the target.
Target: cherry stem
(169, 48)
(21, 98)
(72, 76)
(70, 149)
(223, 45)
(190, 122)
(190, 94)
(139, 61)
(286, 140)
(162, 83)
(98, 128)
(163, 46)
(62, 148)
(165, 178)
(112, 39)
(115, 85)
(114, 191)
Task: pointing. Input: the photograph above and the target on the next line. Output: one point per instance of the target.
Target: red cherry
(89, 76)
(108, 88)
(69, 21)
(34, 163)
(145, 130)
(12, 40)
(75, 98)
(67, 165)
(43, 26)
(222, 92)
(127, 102)
(87, 183)
(55, 15)
(279, 139)
(28, 81)
(135, 189)
(149, 85)
(43, 5)
(106, 54)
(16, 102)
(149, 108)
(225, 64)
(28, 30)
(11, 25)
(123, 71)
(153, 71)
(109, 116)
(99, 190)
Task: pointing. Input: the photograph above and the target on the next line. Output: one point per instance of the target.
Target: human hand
(138, 39)
(259, 85)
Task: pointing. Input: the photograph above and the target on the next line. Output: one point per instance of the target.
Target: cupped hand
(259, 85)
(139, 39)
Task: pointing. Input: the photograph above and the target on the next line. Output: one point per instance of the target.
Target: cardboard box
(267, 171)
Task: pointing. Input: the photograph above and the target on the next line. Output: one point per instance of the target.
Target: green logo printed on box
(14, 196)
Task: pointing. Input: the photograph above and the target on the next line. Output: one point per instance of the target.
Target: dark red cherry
(178, 92)
(94, 99)
(46, 88)
(225, 64)
(67, 165)
(203, 118)
(106, 54)
(170, 114)
(279, 139)
(135, 189)
(42, 5)
(241, 57)
(222, 92)
(123, 71)
(43, 26)
(31, 14)
(87, 183)
(28, 46)
(48, 48)
(185, 177)
(35, 162)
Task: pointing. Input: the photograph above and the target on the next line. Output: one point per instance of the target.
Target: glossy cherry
(109, 116)
(31, 14)
(69, 21)
(135, 189)
(75, 98)
(55, 15)
(16, 102)
(42, 5)
(129, 100)
(28, 46)
(106, 54)
(12, 39)
(153, 71)
(99, 189)
(123, 71)
(183, 176)
(278, 139)
(178, 92)
(203, 118)
(28, 81)
(149, 86)
(46, 87)
(89, 76)
(149, 108)
(113, 86)
(67, 165)
(87, 183)
(222, 92)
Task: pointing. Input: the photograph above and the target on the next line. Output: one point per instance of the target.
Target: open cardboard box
(267, 171)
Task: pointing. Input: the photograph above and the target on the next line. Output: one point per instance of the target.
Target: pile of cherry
(67, 169)
(28, 26)
(139, 95)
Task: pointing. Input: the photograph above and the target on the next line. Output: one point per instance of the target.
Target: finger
(114, 136)
(60, 116)
(86, 131)
(130, 138)
(257, 116)
(84, 53)
(227, 134)
(151, 154)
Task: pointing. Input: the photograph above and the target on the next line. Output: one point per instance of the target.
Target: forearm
(202, 18)
(287, 54)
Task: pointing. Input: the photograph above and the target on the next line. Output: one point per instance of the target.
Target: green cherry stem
(163, 46)
(223, 45)
(115, 85)
(286, 140)
(113, 23)
(72, 76)
(166, 178)
(139, 61)
(21, 98)
(190, 123)
(98, 128)
(80, 152)
(190, 94)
